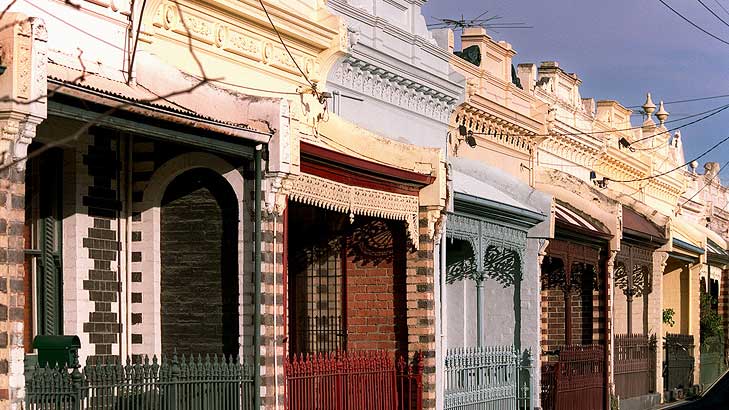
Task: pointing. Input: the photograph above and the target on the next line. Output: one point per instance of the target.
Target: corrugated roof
(74, 82)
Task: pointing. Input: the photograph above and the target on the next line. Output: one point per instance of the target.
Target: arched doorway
(199, 267)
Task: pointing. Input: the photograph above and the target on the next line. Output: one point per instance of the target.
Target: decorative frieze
(498, 250)
(352, 200)
(232, 39)
(369, 79)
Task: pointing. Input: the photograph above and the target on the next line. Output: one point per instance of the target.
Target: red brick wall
(587, 318)
(372, 310)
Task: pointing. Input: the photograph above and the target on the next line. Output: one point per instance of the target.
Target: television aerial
(482, 20)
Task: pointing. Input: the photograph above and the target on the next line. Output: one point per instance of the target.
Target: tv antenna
(489, 22)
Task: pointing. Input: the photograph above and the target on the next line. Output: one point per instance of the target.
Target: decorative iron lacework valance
(353, 200)
(498, 251)
(634, 270)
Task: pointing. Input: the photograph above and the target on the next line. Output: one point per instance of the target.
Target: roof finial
(648, 106)
(662, 114)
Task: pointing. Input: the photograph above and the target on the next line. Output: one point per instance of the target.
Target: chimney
(444, 38)
(527, 74)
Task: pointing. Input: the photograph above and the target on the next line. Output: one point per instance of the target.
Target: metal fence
(177, 384)
(576, 380)
(713, 360)
(635, 360)
(371, 380)
(486, 378)
(678, 361)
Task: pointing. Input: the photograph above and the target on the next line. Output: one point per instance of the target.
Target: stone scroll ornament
(497, 252)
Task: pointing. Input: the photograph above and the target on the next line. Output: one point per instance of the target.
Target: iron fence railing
(713, 360)
(635, 358)
(575, 380)
(678, 361)
(488, 377)
(194, 383)
(353, 380)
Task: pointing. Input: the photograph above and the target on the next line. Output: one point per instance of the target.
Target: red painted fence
(370, 380)
(576, 380)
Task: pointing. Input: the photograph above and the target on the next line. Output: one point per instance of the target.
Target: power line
(684, 125)
(280, 39)
(694, 24)
(715, 146)
(713, 97)
(712, 12)
(708, 183)
(262, 90)
(722, 7)
(709, 113)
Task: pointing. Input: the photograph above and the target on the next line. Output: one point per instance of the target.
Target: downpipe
(257, 282)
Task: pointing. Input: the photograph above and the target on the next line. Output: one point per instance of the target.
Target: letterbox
(57, 350)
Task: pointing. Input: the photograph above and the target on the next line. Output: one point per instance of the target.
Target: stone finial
(661, 114)
(648, 106)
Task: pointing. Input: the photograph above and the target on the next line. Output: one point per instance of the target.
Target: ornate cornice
(352, 200)
(237, 35)
(380, 83)
(498, 130)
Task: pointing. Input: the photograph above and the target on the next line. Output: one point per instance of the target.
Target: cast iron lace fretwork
(582, 276)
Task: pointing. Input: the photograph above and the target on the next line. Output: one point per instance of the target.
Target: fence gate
(576, 380)
(354, 380)
(678, 362)
(490, 377)
(635, 357)
(712, 360)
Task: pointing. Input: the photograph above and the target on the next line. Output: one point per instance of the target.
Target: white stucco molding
(394, 88)
(23, 46)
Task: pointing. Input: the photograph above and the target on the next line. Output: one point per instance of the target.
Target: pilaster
(22, 108)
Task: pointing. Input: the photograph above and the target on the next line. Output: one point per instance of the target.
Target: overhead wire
(722, 7)
(703, 154)
(95, 37)
(709, 113)
(686, 19)
(708, 184)
(713, 97)
(283, 43)
(713, 13)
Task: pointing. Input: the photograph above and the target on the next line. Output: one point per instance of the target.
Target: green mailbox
(57, 350)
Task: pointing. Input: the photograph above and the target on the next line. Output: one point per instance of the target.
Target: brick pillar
(421, 308)
(724, 304)
(23, 107)
(655, 311)
(272, 312)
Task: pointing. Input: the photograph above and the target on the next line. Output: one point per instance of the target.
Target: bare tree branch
(75, 135)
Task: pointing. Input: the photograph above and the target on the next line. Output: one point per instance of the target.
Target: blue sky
(622, 49)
